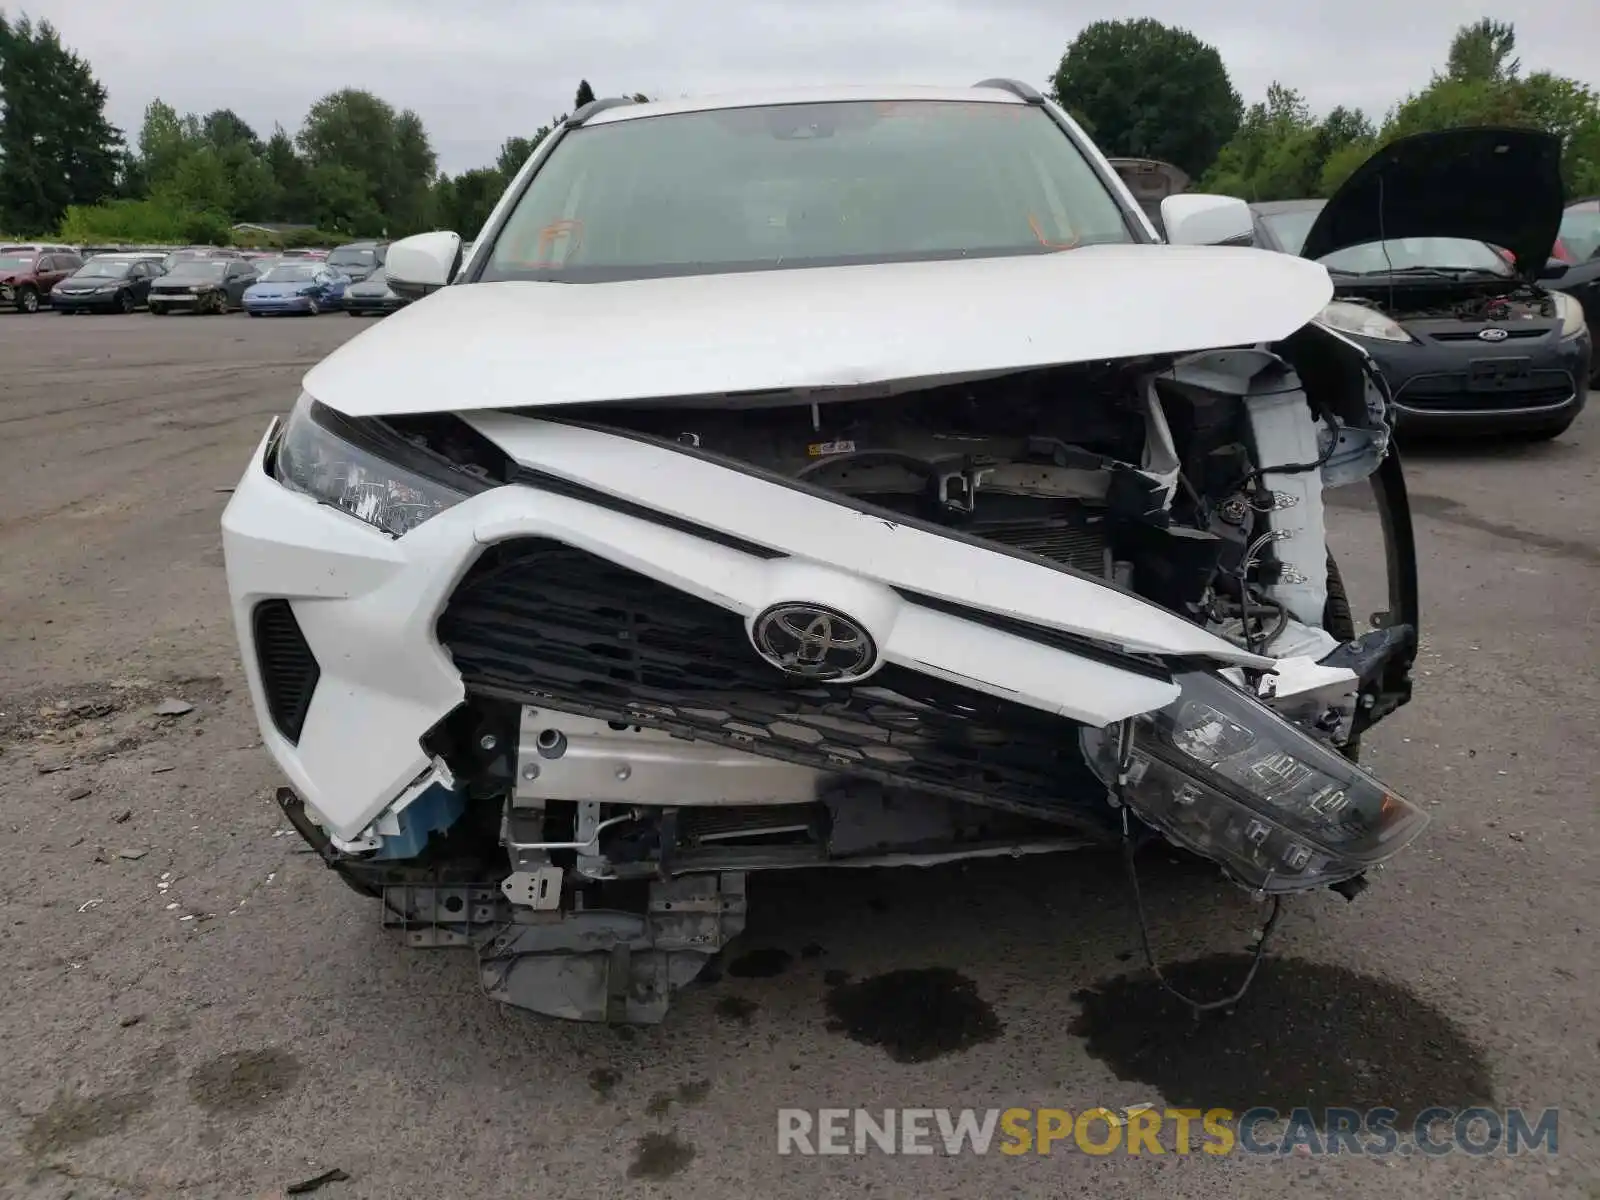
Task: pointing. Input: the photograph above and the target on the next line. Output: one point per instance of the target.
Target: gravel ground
(194, 1007)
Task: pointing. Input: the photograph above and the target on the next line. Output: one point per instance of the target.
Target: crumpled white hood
(509, 345)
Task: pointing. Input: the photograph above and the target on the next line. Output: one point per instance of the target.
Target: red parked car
(27, 273)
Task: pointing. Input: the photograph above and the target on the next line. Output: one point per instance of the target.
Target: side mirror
(1196, 219)
(1553, 269)
(423, 263)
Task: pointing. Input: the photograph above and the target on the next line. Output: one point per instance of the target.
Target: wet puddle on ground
(1305, 1035)
(915, 1015)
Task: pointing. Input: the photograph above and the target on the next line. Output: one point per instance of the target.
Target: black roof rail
(576, 120)
(1023, 91)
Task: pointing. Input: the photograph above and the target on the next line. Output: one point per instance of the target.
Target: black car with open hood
(1501, 186)
(1436, 246)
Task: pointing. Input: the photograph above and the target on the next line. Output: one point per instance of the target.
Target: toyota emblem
(813, 642)
(1493, 334)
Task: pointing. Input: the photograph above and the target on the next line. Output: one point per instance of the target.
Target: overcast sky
(480, 70)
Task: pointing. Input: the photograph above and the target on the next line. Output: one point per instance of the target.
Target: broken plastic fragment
(173, 707)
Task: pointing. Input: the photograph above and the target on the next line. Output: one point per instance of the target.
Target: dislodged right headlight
(1361, 321)
(1221, 774)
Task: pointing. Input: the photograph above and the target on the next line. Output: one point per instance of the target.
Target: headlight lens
(1570, 312)
(1362, 321)
(1221, 774)
(312, 458)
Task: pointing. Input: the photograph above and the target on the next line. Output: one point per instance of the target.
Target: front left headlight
(1218, 772)
(367, 470)
(1361, 321)
(1570, 312)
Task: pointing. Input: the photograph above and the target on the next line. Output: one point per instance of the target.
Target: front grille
(289, 670)
(538, 622)
(1446, 393)
(1471, 335)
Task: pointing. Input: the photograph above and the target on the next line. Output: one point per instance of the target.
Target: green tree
(367, 141)
(463, 203)
(514, 151)
(225, 128)
(56, 146)
(342, 200)
(1149, 91)
(165, 140)
(291, 179)
(584, 96)
(1481, 52)
(1281, 150)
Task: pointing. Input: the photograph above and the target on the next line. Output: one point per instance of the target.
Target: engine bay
(1144, 474)
(1457, 302)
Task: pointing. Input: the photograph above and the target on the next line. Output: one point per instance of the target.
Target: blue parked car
(296, 287)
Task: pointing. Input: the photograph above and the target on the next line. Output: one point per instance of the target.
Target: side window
(46, 262)
(72, 263)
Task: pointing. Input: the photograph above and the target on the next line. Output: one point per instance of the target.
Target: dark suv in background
(27, 273)
(358, 259)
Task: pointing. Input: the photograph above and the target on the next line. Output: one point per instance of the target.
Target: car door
(47, 273)
(139, 276)
(239, 276)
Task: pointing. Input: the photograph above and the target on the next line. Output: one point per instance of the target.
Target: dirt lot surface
(193, 1006)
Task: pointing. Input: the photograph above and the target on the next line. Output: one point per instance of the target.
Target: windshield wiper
(1439, 272)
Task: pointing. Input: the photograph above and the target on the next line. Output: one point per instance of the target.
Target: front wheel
(312, 307)
(158, 310)
(28, 300)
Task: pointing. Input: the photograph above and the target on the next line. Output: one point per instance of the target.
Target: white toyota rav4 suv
(815, 479)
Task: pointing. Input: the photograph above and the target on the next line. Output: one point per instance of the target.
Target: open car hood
(1495, 185)
(901, 325)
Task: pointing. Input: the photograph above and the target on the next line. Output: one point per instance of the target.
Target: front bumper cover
(367, 605)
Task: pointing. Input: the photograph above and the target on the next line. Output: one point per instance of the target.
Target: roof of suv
(812, 95)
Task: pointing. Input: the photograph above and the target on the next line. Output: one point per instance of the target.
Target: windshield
(1290, 228)
(198, 269)
(290, 273)
(804, 186)
(16, 262)
(103, 269)
(1401, 254)
(1580, 230)
(352, 258)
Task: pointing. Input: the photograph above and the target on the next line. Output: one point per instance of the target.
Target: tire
(65, 312)
(312, 307)
(126, 303)
(252, 313)
(350, 312)
(1340, 622)
(28, 300)
(158, 310)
